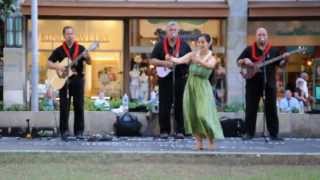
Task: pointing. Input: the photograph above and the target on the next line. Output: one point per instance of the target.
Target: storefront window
(145, 33)
(316, 81)
(107, 58)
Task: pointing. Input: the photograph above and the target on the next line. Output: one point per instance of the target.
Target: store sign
(102, 38)
(287, 28)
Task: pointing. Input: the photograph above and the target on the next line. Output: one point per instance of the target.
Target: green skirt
(199, 109)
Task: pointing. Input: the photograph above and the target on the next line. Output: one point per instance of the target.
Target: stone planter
(95, 121)
(291, 125)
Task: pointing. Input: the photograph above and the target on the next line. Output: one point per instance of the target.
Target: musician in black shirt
(171, 45)
(260, 50)
(74, 86)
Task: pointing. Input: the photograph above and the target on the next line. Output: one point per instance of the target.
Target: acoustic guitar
(57, 79)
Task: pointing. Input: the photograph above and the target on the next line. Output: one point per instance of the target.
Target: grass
(25, 166)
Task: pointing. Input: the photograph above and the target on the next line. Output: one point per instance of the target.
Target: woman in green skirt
(199, 109)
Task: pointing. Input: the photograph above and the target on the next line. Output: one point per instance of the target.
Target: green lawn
(27, 166)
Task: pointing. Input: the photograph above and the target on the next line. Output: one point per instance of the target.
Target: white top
(287, 105)
(303, 86)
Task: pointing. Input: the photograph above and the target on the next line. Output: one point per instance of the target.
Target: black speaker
(127, 125)
(232, 127)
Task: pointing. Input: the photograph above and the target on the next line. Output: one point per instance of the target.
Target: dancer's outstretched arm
(182, 60)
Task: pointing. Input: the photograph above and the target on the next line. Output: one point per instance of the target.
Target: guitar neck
(270, 61)
(92, 47)
(77, 59)
(265, 63)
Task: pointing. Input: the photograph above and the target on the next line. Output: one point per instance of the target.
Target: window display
(105, 73)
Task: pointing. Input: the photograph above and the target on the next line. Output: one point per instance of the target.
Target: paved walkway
(291, 146)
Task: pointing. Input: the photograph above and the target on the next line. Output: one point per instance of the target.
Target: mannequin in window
(144, 85)
(103, 79)
(134, 82)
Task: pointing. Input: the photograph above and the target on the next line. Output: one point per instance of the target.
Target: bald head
(261, 36)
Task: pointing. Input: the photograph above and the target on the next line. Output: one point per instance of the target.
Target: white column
(236, 43)
(35, 63)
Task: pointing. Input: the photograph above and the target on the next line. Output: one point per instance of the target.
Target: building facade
(128, 29)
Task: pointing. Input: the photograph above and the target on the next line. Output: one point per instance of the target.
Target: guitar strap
(254, 52)
(74, 55)
(67, 50)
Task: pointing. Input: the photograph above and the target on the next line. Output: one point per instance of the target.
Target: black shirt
(270, 69)
(59, 54)
(158, 53)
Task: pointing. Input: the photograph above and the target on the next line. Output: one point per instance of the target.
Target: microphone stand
(67, 99)
(173, 92)
(264, 102)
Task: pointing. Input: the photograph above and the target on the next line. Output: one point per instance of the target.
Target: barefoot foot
(211, 144)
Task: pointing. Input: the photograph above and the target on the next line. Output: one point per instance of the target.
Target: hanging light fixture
(9, 32)
(13, 29)
(18, 19)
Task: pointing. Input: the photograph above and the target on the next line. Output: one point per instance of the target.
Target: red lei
(254, 51)
(75, 52)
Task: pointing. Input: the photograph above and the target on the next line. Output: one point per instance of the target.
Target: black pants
(75, 88)
(166, 101)
(254, 91)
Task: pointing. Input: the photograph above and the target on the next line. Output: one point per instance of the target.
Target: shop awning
(294, 9)
(68, 8)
